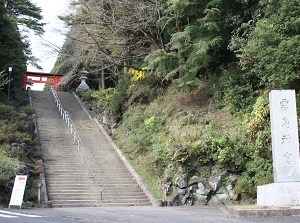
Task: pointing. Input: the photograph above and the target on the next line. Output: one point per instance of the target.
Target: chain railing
(81, 148)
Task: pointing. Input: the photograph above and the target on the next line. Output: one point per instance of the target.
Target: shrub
(236, 90)
(87, 95)
(8, 166)
(103, 97)
(6, 112)
(258, 129)
(258, 172)
(118, 99)
(29, 110)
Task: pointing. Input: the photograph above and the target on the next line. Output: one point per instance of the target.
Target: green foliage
(119, 97)
(8, 166)
(258, 129)
(206, 39)
(29, 110)
(103, 97)
(272, 50)
(26, 13)
(162, 64)
(3, 80)
(236, 90)
(17, 17)
(163, 142)
(6, 112)
(188, 82)
(87, 95)
(257, 150)
(19, 148)
(9, 132)
(258, 172)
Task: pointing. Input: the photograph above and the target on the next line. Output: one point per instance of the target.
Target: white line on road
(9, 214)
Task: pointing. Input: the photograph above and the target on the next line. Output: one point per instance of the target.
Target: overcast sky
(54, 30)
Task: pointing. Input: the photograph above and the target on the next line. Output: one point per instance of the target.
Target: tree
(272, 49)
(14, 46)
(198, 39)
(24, 12)
(3, 80)
(111, 35)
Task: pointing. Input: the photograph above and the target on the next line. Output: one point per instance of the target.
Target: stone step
(57, 205)
(68, 183)
(75, 203)
(61, 181)
(78, 197)
(56, 166)
(52, 187)
(105, 199)
(84, 188)
(77, 177)
(62, 178)
(72, 190)
(76, 192)
(62, 157)
(68, 171)
(97, 192)
(68, 174)
(105, 195)
(131, 202)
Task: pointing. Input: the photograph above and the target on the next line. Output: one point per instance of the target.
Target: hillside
(183, 86)
(182, 135)
(20, 151)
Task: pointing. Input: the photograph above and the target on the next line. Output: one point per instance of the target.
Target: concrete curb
(120, 154)
(81, 104)
(260, 212)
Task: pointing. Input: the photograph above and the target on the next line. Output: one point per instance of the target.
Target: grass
(180, 119)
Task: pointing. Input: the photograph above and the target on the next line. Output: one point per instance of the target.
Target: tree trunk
(126, 66)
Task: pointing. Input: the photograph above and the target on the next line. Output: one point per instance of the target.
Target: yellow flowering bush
(259, 118)
(136, 75)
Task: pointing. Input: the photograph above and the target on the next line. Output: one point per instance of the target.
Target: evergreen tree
(14, 46)
(272, 49)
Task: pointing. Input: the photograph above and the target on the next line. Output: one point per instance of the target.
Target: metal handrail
(66, 116)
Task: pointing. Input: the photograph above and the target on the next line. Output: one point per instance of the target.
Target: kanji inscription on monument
(284, 132)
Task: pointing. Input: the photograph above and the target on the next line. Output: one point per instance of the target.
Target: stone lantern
(83, 86)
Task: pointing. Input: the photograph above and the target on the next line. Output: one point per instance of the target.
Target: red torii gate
(51, 79)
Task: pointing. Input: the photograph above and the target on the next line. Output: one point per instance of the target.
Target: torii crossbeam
(53, 79)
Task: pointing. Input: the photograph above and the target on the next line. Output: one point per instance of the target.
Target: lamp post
(9, 74)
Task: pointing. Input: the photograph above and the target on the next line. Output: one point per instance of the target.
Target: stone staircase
(68, 183)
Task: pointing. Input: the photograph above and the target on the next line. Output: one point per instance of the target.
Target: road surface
(150, 214)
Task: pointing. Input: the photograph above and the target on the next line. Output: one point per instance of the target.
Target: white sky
(54, 30)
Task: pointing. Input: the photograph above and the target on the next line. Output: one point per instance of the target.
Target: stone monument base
(279, 194)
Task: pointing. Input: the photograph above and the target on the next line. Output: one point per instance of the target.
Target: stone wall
(216, 190)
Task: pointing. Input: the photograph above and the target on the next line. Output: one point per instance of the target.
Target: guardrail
(91, 169)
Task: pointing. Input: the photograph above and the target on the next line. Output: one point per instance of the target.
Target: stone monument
(285, 191)
(83, 86)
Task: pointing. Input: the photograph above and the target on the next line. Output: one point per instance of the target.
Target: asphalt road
(131, 215)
